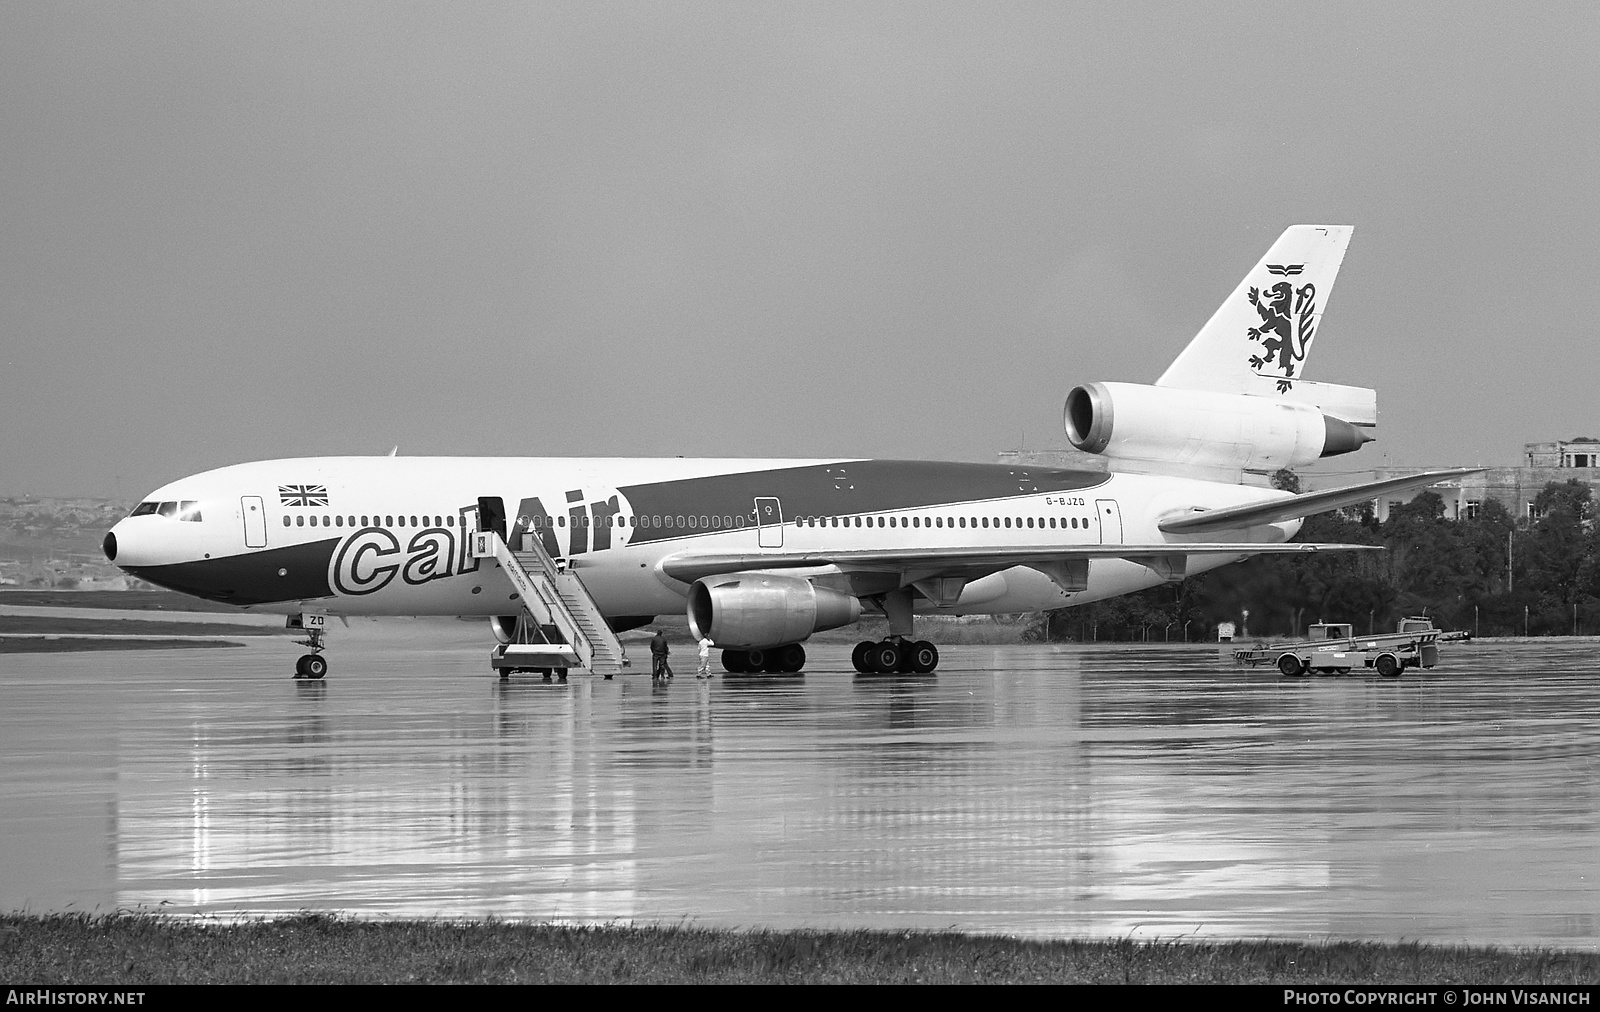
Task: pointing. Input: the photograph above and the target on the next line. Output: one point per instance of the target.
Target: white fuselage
(386, 535)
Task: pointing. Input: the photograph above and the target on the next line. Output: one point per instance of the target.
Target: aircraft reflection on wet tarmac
(1053, 791)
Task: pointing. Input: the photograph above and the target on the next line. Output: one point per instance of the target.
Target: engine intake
(504, 627)
(749, 610)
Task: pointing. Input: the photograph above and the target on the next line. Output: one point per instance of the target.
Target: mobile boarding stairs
(559, 625)
(1333, 647)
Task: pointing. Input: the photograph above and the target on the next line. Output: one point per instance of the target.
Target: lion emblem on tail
(1288, 322)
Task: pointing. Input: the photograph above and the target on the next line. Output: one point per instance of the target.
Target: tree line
(1490, 574)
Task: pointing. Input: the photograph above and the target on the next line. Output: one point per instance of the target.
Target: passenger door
(769, 522)
(255, 521)
(1110, 515)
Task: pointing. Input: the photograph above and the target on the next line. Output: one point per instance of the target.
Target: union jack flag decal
(303, 495)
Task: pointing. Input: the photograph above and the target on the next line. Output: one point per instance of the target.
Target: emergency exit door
(769, 522)
(255, 521)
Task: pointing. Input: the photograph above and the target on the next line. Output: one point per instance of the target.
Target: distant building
(1515, 488)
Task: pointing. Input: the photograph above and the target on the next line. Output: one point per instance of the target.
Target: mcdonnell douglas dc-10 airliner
(561, 554)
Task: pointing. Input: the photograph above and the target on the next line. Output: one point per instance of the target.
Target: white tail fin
(1258, 341)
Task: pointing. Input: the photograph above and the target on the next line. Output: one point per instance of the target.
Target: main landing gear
(895, 655)
(313, 665)
(784, 660)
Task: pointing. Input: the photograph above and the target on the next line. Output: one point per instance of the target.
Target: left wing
(691, 566)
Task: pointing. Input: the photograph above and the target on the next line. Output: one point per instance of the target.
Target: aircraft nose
(133, 543)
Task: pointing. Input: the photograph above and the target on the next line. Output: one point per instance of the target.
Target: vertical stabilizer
(1258, 341)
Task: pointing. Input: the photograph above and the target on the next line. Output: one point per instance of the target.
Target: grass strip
(77, 644)
(131, 626)
(137, 600)
(144, 948)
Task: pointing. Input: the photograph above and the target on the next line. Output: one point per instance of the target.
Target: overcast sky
(239, 231)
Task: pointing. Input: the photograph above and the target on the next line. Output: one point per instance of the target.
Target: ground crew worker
(705, 657)
(659, 672)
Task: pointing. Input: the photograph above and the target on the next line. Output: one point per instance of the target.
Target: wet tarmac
(1043, 791)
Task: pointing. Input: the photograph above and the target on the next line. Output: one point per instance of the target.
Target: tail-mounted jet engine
(1169, 430)
(744, 610)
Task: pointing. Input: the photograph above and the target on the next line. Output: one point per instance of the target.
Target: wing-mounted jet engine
(1236, 400)
(751, 612)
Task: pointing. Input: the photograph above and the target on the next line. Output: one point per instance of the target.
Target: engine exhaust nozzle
(1339, 436)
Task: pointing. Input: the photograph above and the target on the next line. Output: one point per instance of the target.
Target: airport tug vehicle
(1333, 648)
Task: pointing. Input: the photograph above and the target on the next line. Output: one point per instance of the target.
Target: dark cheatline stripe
(251, 578)
(864, 486)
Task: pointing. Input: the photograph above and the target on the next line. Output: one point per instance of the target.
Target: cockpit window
(188, 509)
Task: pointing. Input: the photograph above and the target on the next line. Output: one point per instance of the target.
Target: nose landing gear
(313, 665)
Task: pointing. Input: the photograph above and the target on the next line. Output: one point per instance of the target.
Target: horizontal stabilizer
(1356, 405)
(1279, 509)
